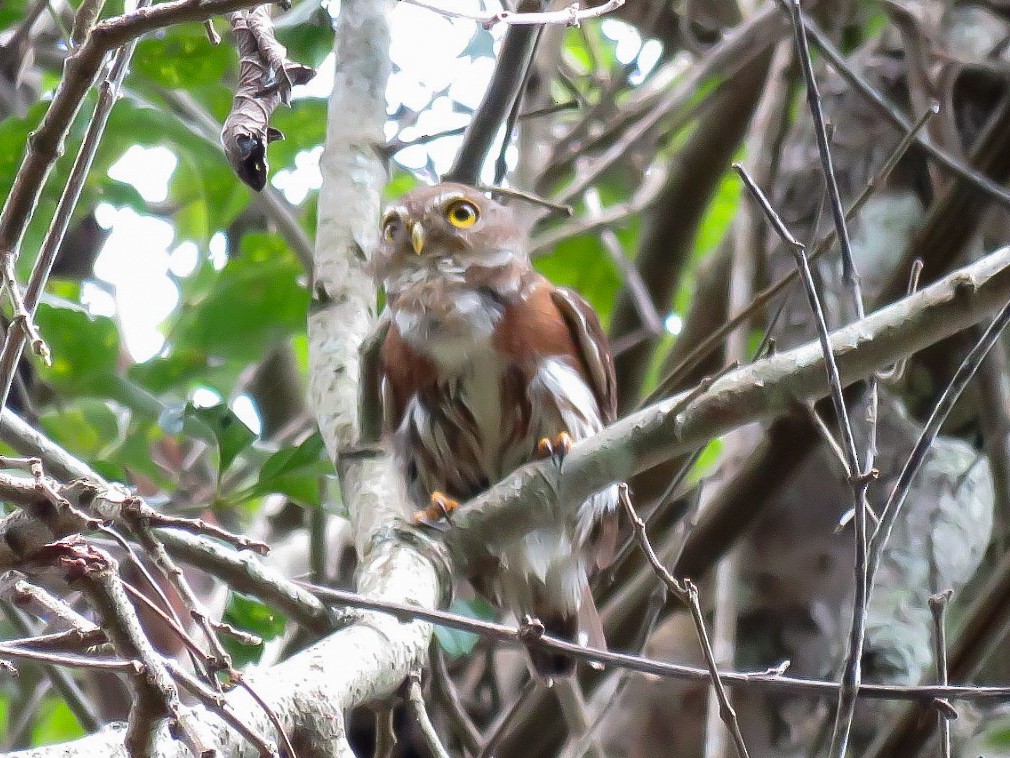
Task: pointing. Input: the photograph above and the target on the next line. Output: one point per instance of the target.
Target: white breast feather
(564, 401)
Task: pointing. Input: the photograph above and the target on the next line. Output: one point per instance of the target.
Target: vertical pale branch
(344, 297)
(343, 314)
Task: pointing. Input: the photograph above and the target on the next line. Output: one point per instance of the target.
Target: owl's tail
(582, 626)
(547, 663)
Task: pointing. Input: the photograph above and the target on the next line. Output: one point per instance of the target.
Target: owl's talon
(556, 449)
(441, 507)
(544, 448)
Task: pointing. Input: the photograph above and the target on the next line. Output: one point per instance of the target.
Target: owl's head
(451, 229)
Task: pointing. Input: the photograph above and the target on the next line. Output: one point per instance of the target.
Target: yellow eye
(462, 214)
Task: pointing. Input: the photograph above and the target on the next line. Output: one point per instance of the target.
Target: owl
(487, 366)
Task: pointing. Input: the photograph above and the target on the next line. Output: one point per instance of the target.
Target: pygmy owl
(487, 366)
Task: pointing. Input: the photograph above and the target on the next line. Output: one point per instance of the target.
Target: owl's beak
(417, 237)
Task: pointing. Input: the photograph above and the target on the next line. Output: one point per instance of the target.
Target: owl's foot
(441, 507)
(556, 449)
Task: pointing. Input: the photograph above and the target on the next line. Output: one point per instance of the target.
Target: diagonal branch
(762, 390)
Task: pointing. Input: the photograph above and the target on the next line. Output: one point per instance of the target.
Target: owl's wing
(371, 395)
(593, 346)
(594, 349)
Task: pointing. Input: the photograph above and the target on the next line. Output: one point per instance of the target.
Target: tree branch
(764, 389)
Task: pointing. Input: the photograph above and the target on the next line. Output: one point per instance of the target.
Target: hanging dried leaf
(266, 77)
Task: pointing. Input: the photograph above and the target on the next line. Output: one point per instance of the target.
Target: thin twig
(22, 321)
(154, 691)
(23, 30)
(806, 277)
(506, 720)
(218, 659)
(649, 618)
(661, 504)
(396, 144)
(501, 164)
(894, 374)
(66, 641)
(22, 712)
(198, 659)
(632, 276)
(444, 687)
(78, 75)
(937, 607)
(828, 437)
(960, 380)
(191, 115)
(39, 602)
(416, 700)
(117, 665)
(680, 101)
(153, 518)
(858, 477)
(215, 701)
(570, 16)
(27, 465)
(858, 483)
(271, 714)
(644, 195)
(67, 687)
(849, 273)
(529, 197)
(143, 570)
(172, 624)
(687, 593)
(606, 696)
(770, 679)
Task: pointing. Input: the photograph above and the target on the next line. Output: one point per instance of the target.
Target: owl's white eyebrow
(397, 210)
(446, 197)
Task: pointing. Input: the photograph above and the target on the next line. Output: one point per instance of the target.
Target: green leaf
(134, 454)
(203, 188)
(707, 462)
(714, 225)
(295, 471)
(85, 348)
(308, 41)
(13, 138)
(251, 616)
(582, 264)
(457, 642)
(400, 183)
(997, 733)
(87, 426)
(719, 214)
(256, 302)
(227, 430)
(303, 126)
(183, 369)
(182, 56)
(208, 195)
(55, 722)
(12, 11)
